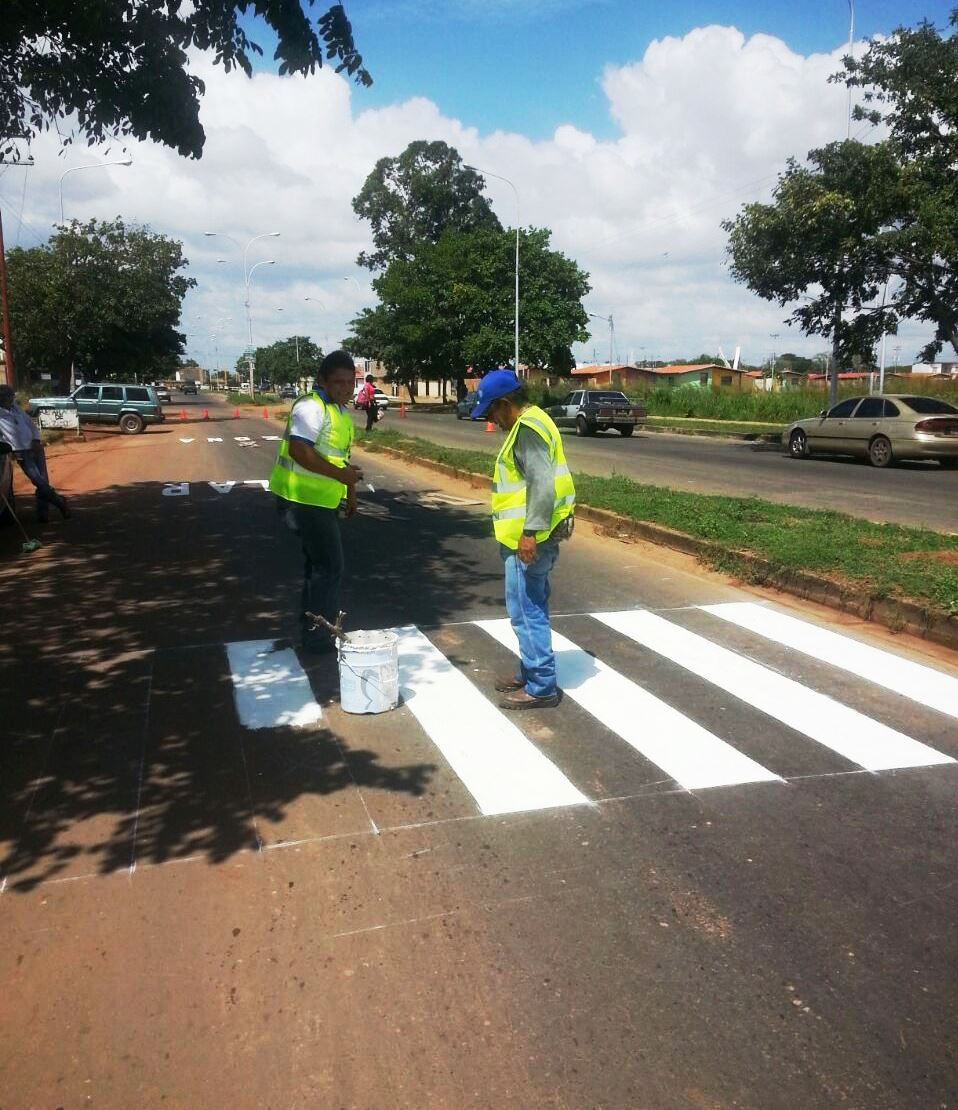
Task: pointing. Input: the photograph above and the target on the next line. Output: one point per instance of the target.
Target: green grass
(716, 427)
(878, 560)
(236, 398)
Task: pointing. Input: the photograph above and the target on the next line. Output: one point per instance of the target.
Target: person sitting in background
(18, 430)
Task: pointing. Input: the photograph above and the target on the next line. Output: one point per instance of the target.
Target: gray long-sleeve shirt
(531, 454)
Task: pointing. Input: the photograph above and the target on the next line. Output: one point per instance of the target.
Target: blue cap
(496, 384)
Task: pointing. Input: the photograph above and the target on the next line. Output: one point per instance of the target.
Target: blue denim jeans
(527, 603)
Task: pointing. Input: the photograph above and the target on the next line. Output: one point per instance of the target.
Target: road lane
(311, 917)
(909, 493)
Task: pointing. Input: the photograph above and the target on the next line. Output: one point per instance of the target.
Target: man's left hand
(528, 550)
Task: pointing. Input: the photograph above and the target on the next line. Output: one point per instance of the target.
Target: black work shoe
(506, 683)
(521, 700)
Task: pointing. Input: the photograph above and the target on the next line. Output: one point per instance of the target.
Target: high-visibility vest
(293, 482)
(509, 487)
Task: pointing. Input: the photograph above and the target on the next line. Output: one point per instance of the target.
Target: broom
(28, 545)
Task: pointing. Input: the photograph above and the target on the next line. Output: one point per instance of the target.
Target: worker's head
(501, 398)
(337, 372)
(370, 380)
(7, 396)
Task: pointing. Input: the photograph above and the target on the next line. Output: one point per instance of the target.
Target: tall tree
(417, 196)
(104, 296)
(824, 244)
(450, 306)
(286, 360)
(910, 85)
(108, 68)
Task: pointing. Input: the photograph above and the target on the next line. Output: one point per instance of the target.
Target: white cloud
(706, 123)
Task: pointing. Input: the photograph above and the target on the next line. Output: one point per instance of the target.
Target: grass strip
(715, 427)
(878, 560)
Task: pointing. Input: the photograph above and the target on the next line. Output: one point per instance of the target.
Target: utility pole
(11, 378)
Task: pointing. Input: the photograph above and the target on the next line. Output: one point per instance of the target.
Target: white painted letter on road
(257, 482)
(221, 487)
(176, 489)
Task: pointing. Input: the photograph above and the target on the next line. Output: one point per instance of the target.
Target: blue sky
(530, 65)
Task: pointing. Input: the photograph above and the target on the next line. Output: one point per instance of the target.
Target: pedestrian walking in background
(314, 476)
(19, 431)
(367, 401)
(533, 501)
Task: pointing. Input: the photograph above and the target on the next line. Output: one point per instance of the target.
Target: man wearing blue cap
(533, 500)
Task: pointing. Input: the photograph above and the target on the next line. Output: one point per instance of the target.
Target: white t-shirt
(308, 419)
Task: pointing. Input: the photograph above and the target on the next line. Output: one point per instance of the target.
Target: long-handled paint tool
(28, 545)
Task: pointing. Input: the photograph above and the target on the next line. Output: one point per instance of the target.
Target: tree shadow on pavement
(122, 743)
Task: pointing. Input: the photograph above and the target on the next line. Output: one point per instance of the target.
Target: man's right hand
(351, 475)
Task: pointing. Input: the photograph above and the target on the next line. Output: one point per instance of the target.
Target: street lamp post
(608, 319)
(247, 276)
(499, 177)
(851, 42)
(128, 161)
(251, 358)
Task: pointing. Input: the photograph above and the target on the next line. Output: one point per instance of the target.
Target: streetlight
(608, 320)
(499, 177)
(128, 161)
(247, 275)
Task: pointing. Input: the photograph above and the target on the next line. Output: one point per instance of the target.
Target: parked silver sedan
(881, 427)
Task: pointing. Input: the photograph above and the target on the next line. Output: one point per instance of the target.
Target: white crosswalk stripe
(503, 770)
(683, 749)
(864, 741)
(922, 684)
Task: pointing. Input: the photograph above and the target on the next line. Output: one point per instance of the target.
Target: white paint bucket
(369, 671)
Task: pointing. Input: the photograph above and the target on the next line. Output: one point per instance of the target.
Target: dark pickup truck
(596, 410)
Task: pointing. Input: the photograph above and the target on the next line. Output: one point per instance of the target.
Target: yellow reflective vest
(509, 487)
(295, 483)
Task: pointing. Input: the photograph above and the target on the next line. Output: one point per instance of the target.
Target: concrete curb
(897, 615)
(746, 437)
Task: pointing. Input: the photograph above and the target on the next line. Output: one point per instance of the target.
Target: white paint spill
(499, 766)
(684, 750)
(221, 487)
(176, 489)
(922, 684)
(270, 688)
(851, 734)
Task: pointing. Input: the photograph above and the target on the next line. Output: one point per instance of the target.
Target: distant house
(704, 375)
(604, 376)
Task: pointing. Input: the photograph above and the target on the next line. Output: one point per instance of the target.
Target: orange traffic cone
(265, 413)
(490, 427)
(182, 414)
(402, 408)
(206, 414)
(236, 414)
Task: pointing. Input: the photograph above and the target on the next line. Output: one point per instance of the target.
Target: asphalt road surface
(906, 493)
(720, 874)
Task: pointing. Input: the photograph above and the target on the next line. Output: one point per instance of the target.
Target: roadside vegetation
(234, 397)
(877, 560)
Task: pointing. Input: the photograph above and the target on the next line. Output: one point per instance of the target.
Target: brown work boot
(506, 683)
(521, 700)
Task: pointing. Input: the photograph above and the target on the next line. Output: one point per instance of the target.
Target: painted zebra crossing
(505, 771)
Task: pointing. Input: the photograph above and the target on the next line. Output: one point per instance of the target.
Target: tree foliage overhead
(417, 196)
(910, 84)
(451, 306)
(107, 68)
(103, 295)
(822, 244)
(278, 362)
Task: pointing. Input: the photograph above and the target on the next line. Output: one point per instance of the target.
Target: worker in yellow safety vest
(533, 501)
(313, 477)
